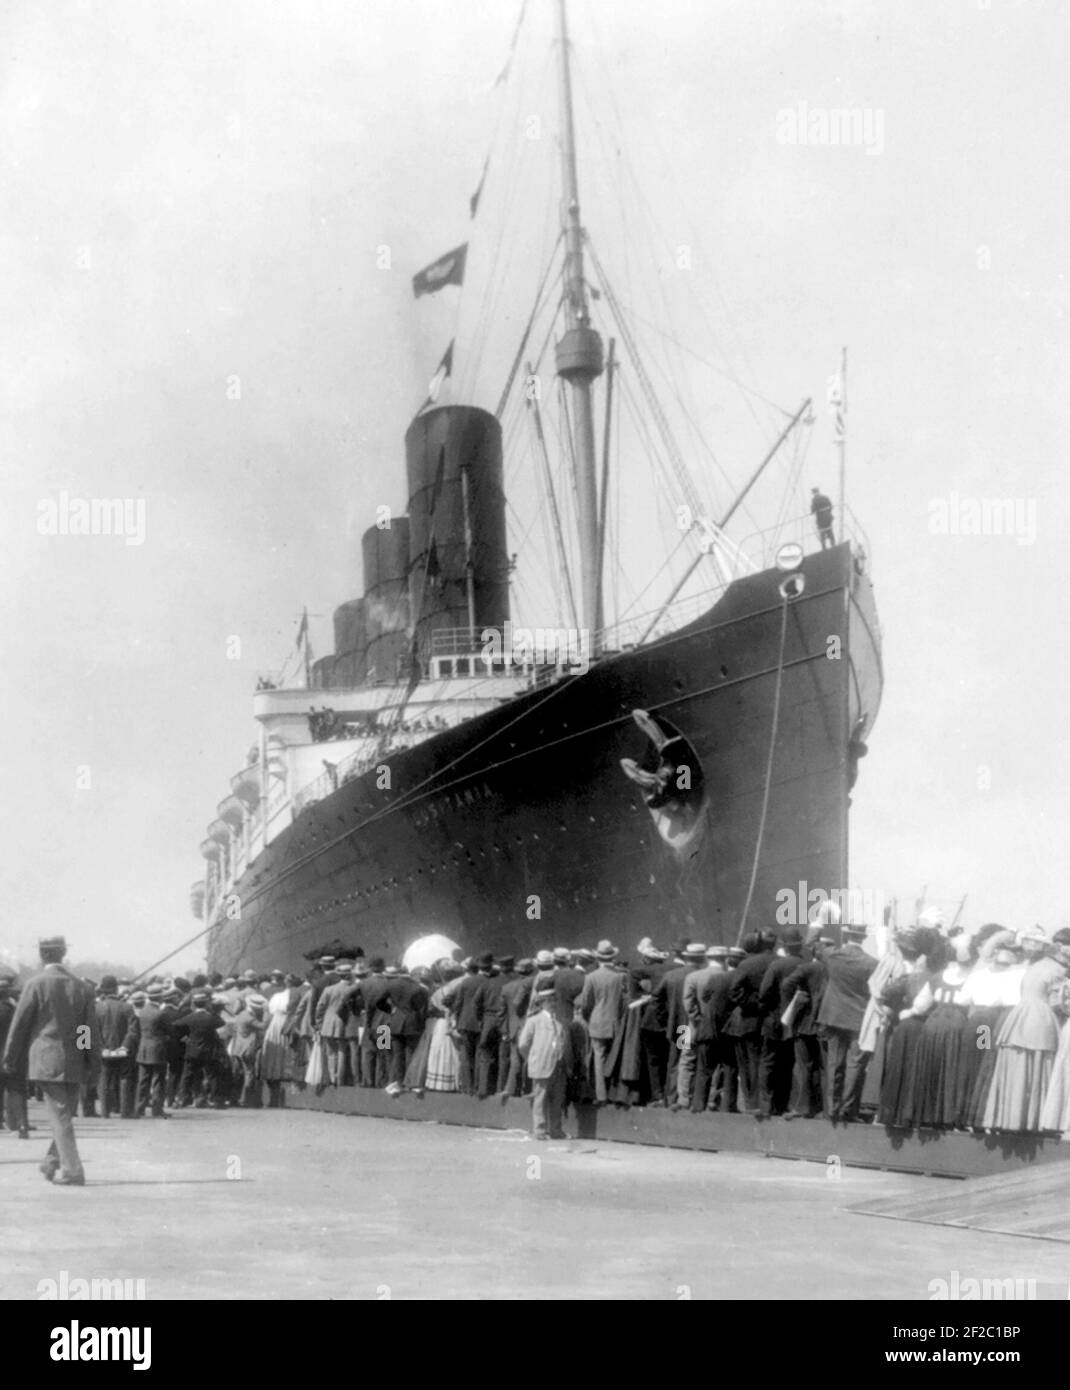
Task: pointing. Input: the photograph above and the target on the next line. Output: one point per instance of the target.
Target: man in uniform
(53, 1042)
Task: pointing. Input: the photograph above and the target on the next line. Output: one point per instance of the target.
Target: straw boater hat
(544, 960)
(256, 1002)
(716, 952)
(696, 951)
(562, 955)
(344, 967)
(155, 992)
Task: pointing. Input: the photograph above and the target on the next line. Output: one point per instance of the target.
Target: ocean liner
(446, 770)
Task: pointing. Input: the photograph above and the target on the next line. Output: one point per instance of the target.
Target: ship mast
(579, 355)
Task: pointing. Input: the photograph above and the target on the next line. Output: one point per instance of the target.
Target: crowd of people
(945, 1030)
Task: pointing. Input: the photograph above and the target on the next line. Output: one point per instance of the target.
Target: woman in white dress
(275, 1058)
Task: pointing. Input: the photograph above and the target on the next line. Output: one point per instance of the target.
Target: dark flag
(443, 370)
(432, 570)
(473, 201)
(447, 270)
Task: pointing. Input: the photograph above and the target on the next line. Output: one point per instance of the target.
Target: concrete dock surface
(277, 1204)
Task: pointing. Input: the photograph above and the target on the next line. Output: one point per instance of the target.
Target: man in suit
(375, 1046)
(173, 1006)
(115, 1020)
(505, 976)
(353, 1009)
(777, 1055)
(330, 1020)
(153, 1038)
(601, 1005)
(490, 1033)
(653, 1056)
(807, 982)
(568, 981)
(745, 1022)
(468, 1007)
(705, 997)
(12, 1088)
(198, 1031)
(669, 1005)
(53, 1042)
(516, 995)
(844, 1003)
(406, 1001)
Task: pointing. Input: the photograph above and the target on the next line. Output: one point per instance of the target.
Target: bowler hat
(108, 984)
(853, 930)
(485, 961)
(792, 937)
(52, 943)
(507, 962)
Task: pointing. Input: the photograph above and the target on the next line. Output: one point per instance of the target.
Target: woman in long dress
(275, 1057)
(937, 1098)
(1055, 1116)
(443, 1059)
(898, 1088)
(994, 987)
(1026, 1046)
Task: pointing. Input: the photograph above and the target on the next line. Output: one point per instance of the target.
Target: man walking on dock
(53, 1043)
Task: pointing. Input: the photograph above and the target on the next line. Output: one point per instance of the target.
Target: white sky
(195, 192)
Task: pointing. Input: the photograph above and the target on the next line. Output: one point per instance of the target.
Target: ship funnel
(386, 600)
(459, 567)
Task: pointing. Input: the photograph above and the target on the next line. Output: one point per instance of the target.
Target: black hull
(525, 832)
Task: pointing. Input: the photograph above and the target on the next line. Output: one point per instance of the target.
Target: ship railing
(761, 547)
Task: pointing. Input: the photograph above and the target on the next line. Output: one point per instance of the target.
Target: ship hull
(522, 827)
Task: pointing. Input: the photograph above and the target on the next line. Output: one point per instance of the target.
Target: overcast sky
(195, 315)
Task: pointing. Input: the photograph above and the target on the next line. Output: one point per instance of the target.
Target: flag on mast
(837, 405)
(447, 270)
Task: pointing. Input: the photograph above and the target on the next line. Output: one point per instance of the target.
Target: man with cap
(330, 1020)
(653, 1052)
(545, 1043)
(706, 1006)
(488, 1052)
(806, 984)
(198, 1030)
(696, 959)
(601, 1005)
(405, 1008)
(505, 976)
(375, 1045)
(568, 978)
(516, 995)
(668, 1000)
(244, 1035)
(53, 1042)
(745, 1022)
(353, 1009)
(842, 1010)
(151, 1035)
(776, 1059)
(468, 1005)
(12, 1088)
(115, 1024)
